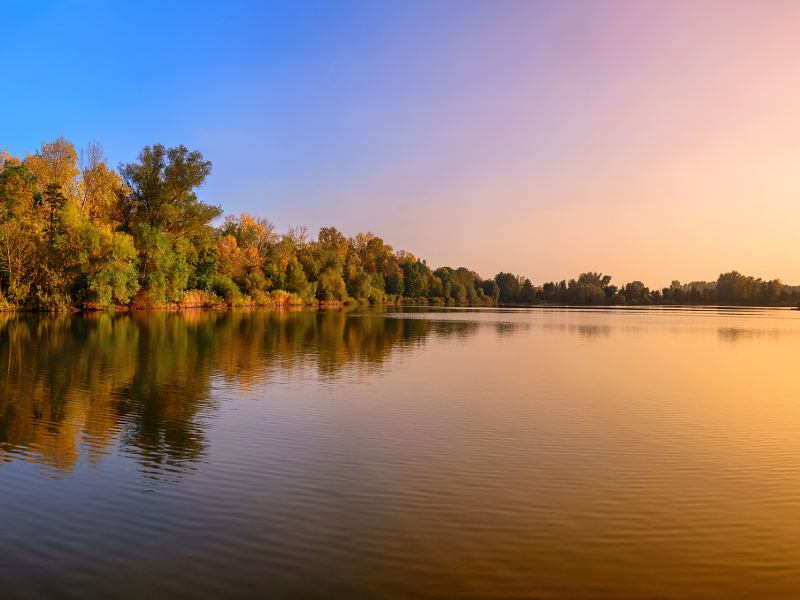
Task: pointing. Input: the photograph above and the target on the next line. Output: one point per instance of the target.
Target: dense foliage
(76, 233)
(731, 288)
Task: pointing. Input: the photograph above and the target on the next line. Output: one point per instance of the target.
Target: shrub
(224, 287)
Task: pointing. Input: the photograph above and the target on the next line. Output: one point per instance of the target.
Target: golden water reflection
(402, 454)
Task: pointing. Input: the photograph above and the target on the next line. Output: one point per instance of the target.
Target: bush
(377, 296)
(258, 298)
(283, 298)
(297, 282)
(200, 299)
(224, 287)
(253, 282)
(360, 287)
(331, 286)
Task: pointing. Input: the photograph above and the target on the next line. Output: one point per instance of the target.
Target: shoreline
(338, 305)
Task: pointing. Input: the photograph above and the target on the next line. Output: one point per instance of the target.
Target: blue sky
(300, 106)
(545, 138)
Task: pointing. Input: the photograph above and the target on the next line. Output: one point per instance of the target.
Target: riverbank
(278, 300)
(288, 302)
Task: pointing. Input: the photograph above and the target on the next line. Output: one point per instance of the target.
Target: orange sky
(664, 143)
(645, 141)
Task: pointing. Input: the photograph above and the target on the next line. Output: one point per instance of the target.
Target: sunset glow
(648, 141)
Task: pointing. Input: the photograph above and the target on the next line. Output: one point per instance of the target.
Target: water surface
(401, 454)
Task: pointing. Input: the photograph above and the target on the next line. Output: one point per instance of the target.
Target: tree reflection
(79, 386)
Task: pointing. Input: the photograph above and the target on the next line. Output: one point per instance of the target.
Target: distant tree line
(731, 288)
(75, 232)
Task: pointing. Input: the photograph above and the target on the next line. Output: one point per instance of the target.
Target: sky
(650, 141)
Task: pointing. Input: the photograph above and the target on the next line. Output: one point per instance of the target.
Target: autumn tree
(20, 229)
(98, 185)
(55, 166)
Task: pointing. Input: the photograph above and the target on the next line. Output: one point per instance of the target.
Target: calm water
(416, 454)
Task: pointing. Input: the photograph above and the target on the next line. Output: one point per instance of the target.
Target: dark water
(417, 454)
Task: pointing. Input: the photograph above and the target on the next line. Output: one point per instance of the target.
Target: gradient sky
(647, 140)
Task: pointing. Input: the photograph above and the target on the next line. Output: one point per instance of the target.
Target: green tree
(158, 206)
(360, 286)
(416, 276)
(296, 281)
(20, 229)
(527, 294)
(636, 292)
(331, 286)
(491, 290)
(509, 287)
(100, 264)
(394, 283)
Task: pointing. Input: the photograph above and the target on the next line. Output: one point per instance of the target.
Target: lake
(403, 453)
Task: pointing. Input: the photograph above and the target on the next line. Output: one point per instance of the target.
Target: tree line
(76, 233)
(591, 288)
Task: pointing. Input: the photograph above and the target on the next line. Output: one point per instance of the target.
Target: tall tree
(160, 191)
(55, 165)
(159, 207)
(98, 185)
